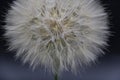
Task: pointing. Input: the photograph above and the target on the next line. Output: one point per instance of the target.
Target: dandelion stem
(56, 76)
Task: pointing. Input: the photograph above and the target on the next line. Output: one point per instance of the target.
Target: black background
(107, 67)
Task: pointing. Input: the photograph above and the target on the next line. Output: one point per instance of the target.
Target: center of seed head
(55, 30)
(54, 27)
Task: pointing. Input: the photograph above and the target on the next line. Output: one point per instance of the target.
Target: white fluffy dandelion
(58, 34)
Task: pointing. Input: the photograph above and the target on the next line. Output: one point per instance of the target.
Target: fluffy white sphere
(58, 34)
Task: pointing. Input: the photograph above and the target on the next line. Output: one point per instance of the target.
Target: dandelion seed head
(57, 33)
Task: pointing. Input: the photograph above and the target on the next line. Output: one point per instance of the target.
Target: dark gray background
(107, 67)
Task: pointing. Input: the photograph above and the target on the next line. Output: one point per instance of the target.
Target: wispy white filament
(58, 34)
